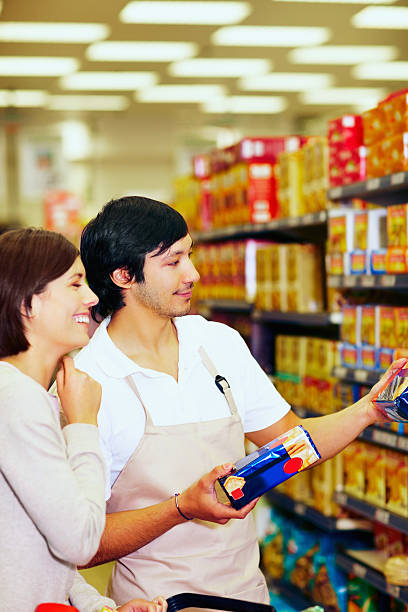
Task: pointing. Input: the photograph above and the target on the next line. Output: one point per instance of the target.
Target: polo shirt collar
(117, 365)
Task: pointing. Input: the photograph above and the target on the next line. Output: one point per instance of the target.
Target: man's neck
(145, 337)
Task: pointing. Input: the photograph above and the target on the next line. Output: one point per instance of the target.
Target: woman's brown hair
(29, 260)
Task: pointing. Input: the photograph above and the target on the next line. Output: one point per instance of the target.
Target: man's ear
(122, 278)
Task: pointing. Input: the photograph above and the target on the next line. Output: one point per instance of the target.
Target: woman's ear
(122, 278)
(34, 310)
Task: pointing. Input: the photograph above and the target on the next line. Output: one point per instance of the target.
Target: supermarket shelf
(251, 230)
(371, 512)
(301, 510)
(357, 375)
(379, 281)
(292, 594)
(386, 438)
(390, 189)
(301, 318)
(229, 305)
(372, 576)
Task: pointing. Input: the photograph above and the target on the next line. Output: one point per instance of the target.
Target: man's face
(169, 280)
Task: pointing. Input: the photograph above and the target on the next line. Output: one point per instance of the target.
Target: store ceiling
(336, 17)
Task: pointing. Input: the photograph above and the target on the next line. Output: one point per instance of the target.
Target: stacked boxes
(397, 254)
(347, 155)
(289, 277)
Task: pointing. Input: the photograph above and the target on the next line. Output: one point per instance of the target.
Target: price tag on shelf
(384, 437)
(367, 281)
(300, 509)
(387, 280)
(341, 498)
(402, 443)
(350, 281)
(398, 178)
(322, 215)
(360, 375)
(382, 516)
(373, 183)
(393, 590)
(340, 372)
(335, 193)
(292, 221)
(307, 219)
(359, 570)
(334, 281)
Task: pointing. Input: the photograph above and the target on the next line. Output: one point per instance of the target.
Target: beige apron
(195, 556)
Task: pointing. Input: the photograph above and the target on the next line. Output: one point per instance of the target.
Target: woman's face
(60, 315)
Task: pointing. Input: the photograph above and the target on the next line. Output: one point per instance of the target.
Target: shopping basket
(213, 602)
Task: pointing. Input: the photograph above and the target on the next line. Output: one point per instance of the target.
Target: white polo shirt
(194, 398)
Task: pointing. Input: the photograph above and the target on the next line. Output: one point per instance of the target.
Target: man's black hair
(121, 236)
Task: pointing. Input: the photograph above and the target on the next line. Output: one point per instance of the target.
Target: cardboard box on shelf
(397, 225)
(397, 482)
(345, 132)
(395, 109)
(354, 469)
(373, 125)
(375, 475)
(375, 160)
(401, 326)
(395, 153)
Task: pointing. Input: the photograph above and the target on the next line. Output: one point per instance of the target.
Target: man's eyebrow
(180, 252)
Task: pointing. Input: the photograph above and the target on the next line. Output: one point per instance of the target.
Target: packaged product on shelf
(354, 469)
(279, 291)
(367, 357)
(374, 161)
(268, 466)
(352, 165)
(347, 155)
(345, 132)
(304, 277)
(401, 326)
(362, 597)
(325, 480)
(397, 482)
(358, 256)
(386, 326)
(302, 545)
(328, 584)
(377, 240)
(385, 357)
(396, 260)
(340, 240)
(369, 314)
(295, 188)
(395, 110)
(273, 545)
(349, 355)
(299, 488)
(395, 153)
(375, 475)
(397, 225)
(373, 125)
(350, 330)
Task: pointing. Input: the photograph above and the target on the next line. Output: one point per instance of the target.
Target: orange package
(374, 127)
(395, 153)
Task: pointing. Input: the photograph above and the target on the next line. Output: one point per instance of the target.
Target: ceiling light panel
(87, 103)
(23, 97)
(342, 55)
(246, 104)
(386, 71)
(180, 93)
(218, 67)
(381, 17)
(137, 51)
(37, 66)
(270, 36)
(43, 32)
(343, 95)
(287, 81)
(126, 81)
(185, 12)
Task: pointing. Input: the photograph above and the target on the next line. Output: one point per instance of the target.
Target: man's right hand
(200, 499)
(80, 395)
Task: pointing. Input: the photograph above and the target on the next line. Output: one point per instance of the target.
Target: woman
(52, 509)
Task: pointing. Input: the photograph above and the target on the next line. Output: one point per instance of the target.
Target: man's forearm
(333, 432)
(129, 530)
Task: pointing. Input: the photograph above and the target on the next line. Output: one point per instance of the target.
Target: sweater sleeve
(87, 599)
(60, 485)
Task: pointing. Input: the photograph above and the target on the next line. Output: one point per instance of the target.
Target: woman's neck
(39, 367)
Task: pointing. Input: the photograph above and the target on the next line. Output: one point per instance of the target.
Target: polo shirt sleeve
(262, 404)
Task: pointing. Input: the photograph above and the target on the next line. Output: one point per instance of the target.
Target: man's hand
(374, 413)
(200, 500)
(158, 604)
(79, 394)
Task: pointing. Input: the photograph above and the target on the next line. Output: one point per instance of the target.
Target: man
(164, 422)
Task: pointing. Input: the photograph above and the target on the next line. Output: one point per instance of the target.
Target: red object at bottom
(55, 607)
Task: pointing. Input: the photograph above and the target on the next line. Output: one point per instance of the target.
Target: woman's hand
(80, 395)
(158, 604)
(375, 413)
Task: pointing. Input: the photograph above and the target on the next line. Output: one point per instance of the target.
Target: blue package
(268, 466)
(393, 399)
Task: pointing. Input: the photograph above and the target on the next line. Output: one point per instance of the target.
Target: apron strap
(132, 385)
(219, 380)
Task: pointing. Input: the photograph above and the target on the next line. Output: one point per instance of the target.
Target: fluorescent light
(26, 31)
(37, 66)
(87, 103)
(343, 1)
(180, 93)
(342, 54)
(270, 36)
(201, 13)
(23, 97)
(287, 81)
(246, 104)
(343, 95)
(137, 51)
(386, 71)
(109, 80)
(218, 67)
(382, 17)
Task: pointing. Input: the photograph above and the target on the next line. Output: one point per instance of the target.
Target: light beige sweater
(52, 508)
